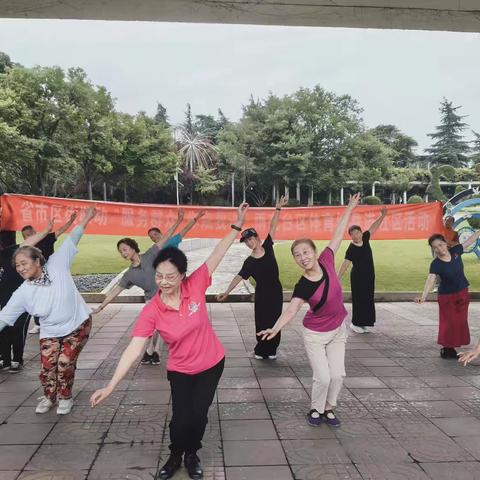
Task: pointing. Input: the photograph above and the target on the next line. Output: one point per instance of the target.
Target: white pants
(326, 352)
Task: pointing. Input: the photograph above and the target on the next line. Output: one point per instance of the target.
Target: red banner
(129, 219)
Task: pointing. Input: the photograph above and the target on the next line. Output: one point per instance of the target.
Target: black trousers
(192, 396)
(12, 340)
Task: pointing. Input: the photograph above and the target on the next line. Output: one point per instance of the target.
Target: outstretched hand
(419, 300)
(50, 225)
(383, 211)
(282, 202)
(354, 200)
(242, 212)
(199, 215)
(180, 214)
(467, 357)
(268, 333)
(90, 213)
(99, 396)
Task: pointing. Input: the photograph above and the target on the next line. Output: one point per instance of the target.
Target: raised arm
(65, 227)
(342, 224)
(114, 292)
(471, 239)
(429, 284)
(221, 249)
(37, 237)
(192, 222)
(235, 281)
(78, 231)
(276, 216)
(130, 355)
(168, 234)
(287, 316)
(374, 226)
(343, 268)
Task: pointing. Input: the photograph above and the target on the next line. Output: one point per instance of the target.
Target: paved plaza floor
(406, 413)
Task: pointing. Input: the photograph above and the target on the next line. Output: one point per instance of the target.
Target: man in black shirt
(46, 246)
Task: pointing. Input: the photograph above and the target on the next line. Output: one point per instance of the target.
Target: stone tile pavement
(407, 414)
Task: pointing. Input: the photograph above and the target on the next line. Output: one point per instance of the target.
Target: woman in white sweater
(49, 293)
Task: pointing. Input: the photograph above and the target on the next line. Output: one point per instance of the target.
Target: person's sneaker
(447, 352)
(314, 419)
(193, 466)
(155, 359)
(4, 366)
(15, 367)
(356, 329)
(64, 406)
(35, 329)
(272, 357)
(331, 419)
(258, 357)
(368, 329)
(146, 359)
(173, 463)
(44, 405)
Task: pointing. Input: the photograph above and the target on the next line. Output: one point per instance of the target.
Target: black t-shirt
(305, 288)
(10, 280)
(361, 256)
(46, 245)
(452, 278)
(264, 270)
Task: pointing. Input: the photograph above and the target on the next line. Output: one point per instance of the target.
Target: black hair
(354, 227)
(307, 241)
(130, 242)
(436, 236)
(32, 252)
(172, 255)
(154, 229)
(27, 227)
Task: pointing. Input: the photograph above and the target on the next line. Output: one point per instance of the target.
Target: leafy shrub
(371, 200)
(415, 199)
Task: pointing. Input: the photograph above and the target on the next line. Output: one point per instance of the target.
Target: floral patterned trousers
(59, 361)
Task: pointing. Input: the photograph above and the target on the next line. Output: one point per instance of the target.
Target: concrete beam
(450, 15)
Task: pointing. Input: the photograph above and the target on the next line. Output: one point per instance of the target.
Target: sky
(398, 77)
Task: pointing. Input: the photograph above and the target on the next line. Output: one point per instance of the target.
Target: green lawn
(401, 265)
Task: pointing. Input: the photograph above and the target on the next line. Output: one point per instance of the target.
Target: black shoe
(173, 463)
(155, 359)
(193, 466)
(146, 359)
(447, 352)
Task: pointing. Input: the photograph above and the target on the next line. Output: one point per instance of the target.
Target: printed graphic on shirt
(193, 307)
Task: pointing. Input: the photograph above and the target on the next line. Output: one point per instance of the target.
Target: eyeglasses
(169, 278)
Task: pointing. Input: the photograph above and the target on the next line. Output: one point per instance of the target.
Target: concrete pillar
(310, 196)
(342, 201)
(373, 189)
(298, 192)
(404, 197)
(330, 197)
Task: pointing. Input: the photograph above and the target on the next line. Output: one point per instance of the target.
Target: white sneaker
(368, 329)
(272, 357)
(35, 329)
(357, 329)
(258, 357)
(64, 406)
(44, 406)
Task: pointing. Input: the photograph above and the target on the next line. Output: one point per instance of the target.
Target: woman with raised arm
(49, 292)
(362, 276)
(262, 266)
(324, 332)
(12, 339)
(142, 274)
(453, 297)
(195, 355)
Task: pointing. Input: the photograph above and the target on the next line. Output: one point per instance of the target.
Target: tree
(449, 147)
(161, 115)
(5, 62)
(402, 145)
(187, 125)
(476, 148)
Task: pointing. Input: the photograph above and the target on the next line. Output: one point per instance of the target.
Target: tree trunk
(233, 189)
(329, 197)
(298, 192)
(287, 188)
(89, 186)
(310, 196)
(104, 191)
(274, 193)
(55, 187)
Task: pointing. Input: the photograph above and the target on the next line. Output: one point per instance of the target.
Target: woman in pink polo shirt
(324, 332)
(195, 355)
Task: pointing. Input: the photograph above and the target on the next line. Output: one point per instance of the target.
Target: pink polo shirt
(192, 344)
